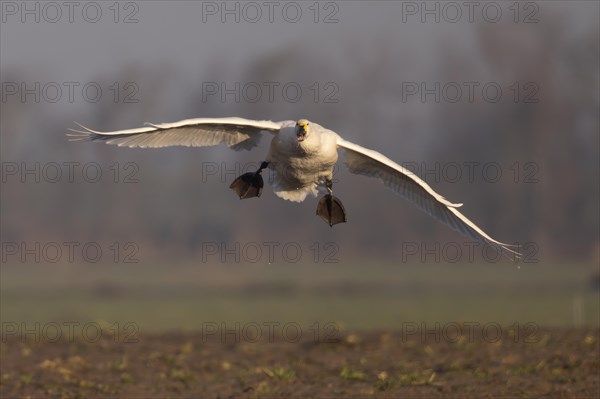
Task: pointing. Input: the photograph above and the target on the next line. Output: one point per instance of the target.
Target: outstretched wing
(236, 133)
(403, 182)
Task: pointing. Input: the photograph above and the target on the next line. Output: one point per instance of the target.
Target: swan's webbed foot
(249, 184)
(330, 208)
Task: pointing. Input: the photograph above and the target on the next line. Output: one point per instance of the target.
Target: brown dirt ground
(558, 363)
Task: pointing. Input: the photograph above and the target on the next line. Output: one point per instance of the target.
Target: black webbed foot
(331, 210)
(248, 185)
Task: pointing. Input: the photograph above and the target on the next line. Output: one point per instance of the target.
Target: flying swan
(302, 156)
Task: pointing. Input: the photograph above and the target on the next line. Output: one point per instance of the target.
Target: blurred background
(496, 107)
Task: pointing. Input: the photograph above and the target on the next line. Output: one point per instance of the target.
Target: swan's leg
(249, 184)
(329, 208)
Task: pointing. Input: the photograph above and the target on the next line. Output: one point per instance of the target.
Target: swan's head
(303, 129)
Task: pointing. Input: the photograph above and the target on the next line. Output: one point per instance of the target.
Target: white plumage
(302, 155)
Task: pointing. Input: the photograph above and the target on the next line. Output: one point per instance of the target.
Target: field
(558, 363)
(328, 330)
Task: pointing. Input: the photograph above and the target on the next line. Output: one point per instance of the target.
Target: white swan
(302, 155)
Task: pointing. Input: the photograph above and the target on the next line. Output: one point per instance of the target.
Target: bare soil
(556, 363)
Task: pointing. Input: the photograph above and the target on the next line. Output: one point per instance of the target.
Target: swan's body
(302, 166)
(302, 155)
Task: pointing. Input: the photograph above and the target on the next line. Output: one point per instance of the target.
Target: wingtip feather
(87, 129)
